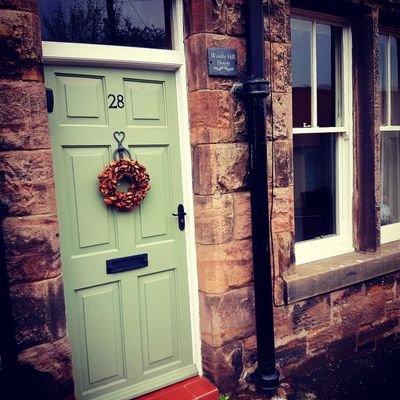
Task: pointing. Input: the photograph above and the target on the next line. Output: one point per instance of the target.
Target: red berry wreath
(110, 178)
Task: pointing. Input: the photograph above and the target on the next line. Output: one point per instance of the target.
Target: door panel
(82, 99)
(158, 312)
(101, 333)
(155, 222)
(145, 103)
(129, 331)
(81, 165)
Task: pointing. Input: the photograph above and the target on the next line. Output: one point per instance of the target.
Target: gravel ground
(373, 374)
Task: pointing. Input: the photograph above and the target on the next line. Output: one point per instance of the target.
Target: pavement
(372, 374)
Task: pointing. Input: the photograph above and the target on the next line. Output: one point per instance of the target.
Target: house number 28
(116, 101)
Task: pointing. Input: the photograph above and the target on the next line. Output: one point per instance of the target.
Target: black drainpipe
(254, 91)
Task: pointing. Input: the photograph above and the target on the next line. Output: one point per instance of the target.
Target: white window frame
(60, 53)
(340, 243)
(122, 56)
(391, 232)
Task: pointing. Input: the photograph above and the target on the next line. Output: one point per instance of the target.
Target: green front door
(130, 331)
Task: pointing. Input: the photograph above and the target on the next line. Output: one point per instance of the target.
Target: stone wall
(307, 332)
(30, 225)
(327, 327)
(220, 167)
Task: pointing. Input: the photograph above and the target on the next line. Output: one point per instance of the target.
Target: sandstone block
(204, 169)
(277, 29)
(279, 288)
(219, 168)
(283, 163)
(220, 17)
(21, 5)
(23, 116)
(232, 166)
(47, 370)
(358, 310)
(375, 291)
(32, 249)
(378, 331)
(283, 324)
(268, 66)
(270, 170)
(282, 210)
(228, 317)
(386, 283)
(393, 309)
(210, 116)
(225, 266)
(341, 296)
(28, 186)
(22, 48)
(214, 219)
(239, 121)
(235, 18)
(397, 287)
(205, 16)
(319, 341)
(242, 215)
(312, 314)
(283, 252)
(250, 343)
(223, 365)
(196, 56)
(343, 347)
(291, 354)
(38, 310)
(281, 68)
(281, 107)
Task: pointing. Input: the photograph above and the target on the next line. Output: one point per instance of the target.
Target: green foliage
(224, 397)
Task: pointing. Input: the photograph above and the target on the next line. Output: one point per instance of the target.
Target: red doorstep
(197, 388)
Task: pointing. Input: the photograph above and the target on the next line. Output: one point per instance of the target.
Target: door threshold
(196, 388)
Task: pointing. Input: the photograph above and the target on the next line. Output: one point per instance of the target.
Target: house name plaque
(222, 62)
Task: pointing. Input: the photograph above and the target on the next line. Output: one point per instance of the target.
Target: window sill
(324, 276)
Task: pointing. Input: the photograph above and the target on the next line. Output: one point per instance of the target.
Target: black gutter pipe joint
(253, 88)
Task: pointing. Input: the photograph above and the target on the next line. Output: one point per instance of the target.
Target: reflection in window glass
(390, 161)
(138, 23)
(314, 185)
(328, 44)
(316, 74)
(301, 72)
(394, 80)
(383, 78)
(390, 132)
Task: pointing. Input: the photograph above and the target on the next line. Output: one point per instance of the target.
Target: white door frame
(151, 59)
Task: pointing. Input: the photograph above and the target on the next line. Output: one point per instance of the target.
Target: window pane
(140, 23)
(301, 72)
(383, 78)
(394, 79)
(329, 41)
(314, 185)
(390, 208)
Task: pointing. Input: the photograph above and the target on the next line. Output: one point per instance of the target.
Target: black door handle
(181, 217)
(50, 100)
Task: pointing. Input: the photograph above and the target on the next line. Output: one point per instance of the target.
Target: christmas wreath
(111, 177)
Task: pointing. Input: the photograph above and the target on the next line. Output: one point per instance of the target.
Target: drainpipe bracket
(252, 88)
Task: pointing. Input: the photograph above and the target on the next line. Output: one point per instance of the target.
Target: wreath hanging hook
(119, 136)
